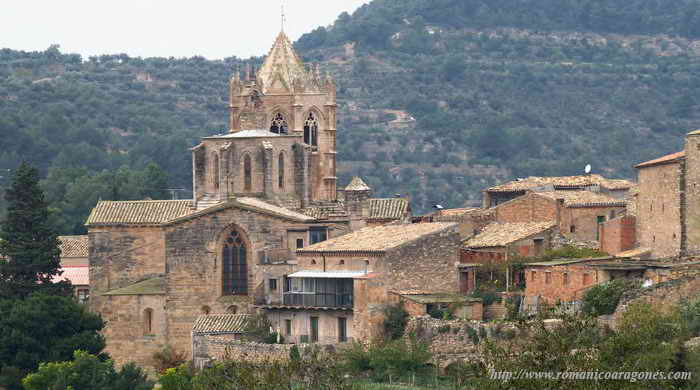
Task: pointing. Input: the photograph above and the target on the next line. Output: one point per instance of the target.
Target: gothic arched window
(280, 173)
(311, 130)
(235, 266)
(279, 124)
(215, 177)
(247, 174)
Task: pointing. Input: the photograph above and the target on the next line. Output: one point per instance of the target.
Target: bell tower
(287, 97)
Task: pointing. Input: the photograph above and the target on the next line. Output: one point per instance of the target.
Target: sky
(214, 29)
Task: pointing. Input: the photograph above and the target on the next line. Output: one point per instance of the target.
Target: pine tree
(28, 241)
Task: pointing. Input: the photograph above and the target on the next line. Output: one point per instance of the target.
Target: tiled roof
(667, 159)
(154, 286)
(457, 215)
(583, 198)
(146, 212)
(77, 275)
(270, 208)
(502, 234)
(439, 298)
(334, 211)
(220, 323)
(74, 246)
(696, 132)
(562, 182)
(378, 238)
(391, 208)
(357, 184)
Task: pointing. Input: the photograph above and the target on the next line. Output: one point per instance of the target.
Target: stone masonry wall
(528, 208)
(618, 235)
(658, 210)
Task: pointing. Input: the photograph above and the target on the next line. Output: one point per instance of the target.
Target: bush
(571, 252)
(395, 319)
(602, 299)
(487, 296)
(513, 307)
(473, 335)
(177, 378)
(87, 372)
(168, 358)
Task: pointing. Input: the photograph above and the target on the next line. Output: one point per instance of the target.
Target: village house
(263, 189)
(496, 195)
(74, 265)
(338, 288)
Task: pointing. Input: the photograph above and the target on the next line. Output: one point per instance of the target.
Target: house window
(247, 174)
(148, 322)
(318, 235)
(235, 266)
(280, 172)
(300, 243)
(83, 295)
(279, 124)
(612, 214)
(288, 327)
(547, 277)
(314, 329)
(311, 130)
(566, 279)
(586, 279)
(533, 276)
(273, 284)
(342, 262)
(572, 228)
(342, 329)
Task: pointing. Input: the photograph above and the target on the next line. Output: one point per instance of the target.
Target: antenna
(588, 169)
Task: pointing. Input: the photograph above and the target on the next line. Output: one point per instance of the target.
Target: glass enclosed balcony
(325, 291)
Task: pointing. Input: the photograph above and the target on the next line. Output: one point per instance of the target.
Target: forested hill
(438, 98)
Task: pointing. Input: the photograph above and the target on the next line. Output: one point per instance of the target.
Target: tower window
(279, 124)
(311, 130)
(300, 243)
(235, 266)
(247, 174)
(280, 172)
(215, 175)
(148, 322)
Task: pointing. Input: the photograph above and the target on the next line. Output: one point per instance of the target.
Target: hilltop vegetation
(438, 99)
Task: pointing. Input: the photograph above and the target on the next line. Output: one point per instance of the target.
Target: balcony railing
(318, 299)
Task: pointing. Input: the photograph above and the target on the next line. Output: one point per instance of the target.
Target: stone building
(498, 241)
(263, 189)
(74, 264)
(496, 195)
(338, 288)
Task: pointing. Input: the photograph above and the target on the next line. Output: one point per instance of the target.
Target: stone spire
(282, 62)
(357, 184)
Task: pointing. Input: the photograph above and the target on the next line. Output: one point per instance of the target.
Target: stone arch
(215, 171)
(282, 176)
(148, 322)
(247, 167)
(236, 260)
(312, 126)
(279, 121)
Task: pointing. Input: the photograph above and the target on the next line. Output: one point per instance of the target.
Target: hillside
(438, 99)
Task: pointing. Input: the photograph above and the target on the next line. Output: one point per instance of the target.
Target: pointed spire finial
(284, 17)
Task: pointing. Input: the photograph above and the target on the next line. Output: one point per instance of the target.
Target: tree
(29, 241)
(43, 328)
(87, 372)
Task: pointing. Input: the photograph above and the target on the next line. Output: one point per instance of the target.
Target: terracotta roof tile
(667, 159)
(77, 275)
(220, 323)
(390, 208)
(378, 238)
(147, 212)
(335, 211)
(583, 198)
(562, 182)
(357, 184)
(74, 246)
(502, 234)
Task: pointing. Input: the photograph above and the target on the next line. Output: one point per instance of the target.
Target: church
(263, 189)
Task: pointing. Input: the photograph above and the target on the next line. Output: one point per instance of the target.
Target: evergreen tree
(28, 241)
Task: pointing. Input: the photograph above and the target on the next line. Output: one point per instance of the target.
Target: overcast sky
(159, 28)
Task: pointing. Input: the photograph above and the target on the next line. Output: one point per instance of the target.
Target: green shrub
(513, 307)
(603, 299)
(395, 320)
(571, 252)
(168, 358)
(488, 297)
(177, 378)
(294, 354)
(472, 334)
(87, 372)
(444, 329)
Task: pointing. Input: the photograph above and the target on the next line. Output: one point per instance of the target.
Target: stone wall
(690, 201)
(659, 209)
(585, 221)
(618, 235)
(528, 208)
(219, 347)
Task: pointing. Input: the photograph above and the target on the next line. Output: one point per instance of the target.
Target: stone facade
(618, 235)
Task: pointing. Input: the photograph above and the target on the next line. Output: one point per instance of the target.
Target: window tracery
(279, 124)
(247, 174)
(311, 130)
(235, 265)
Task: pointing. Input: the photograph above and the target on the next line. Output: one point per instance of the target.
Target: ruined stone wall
(585, 221)
(658, 210)
(528, 208)
(690, 197)
(618, 235)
